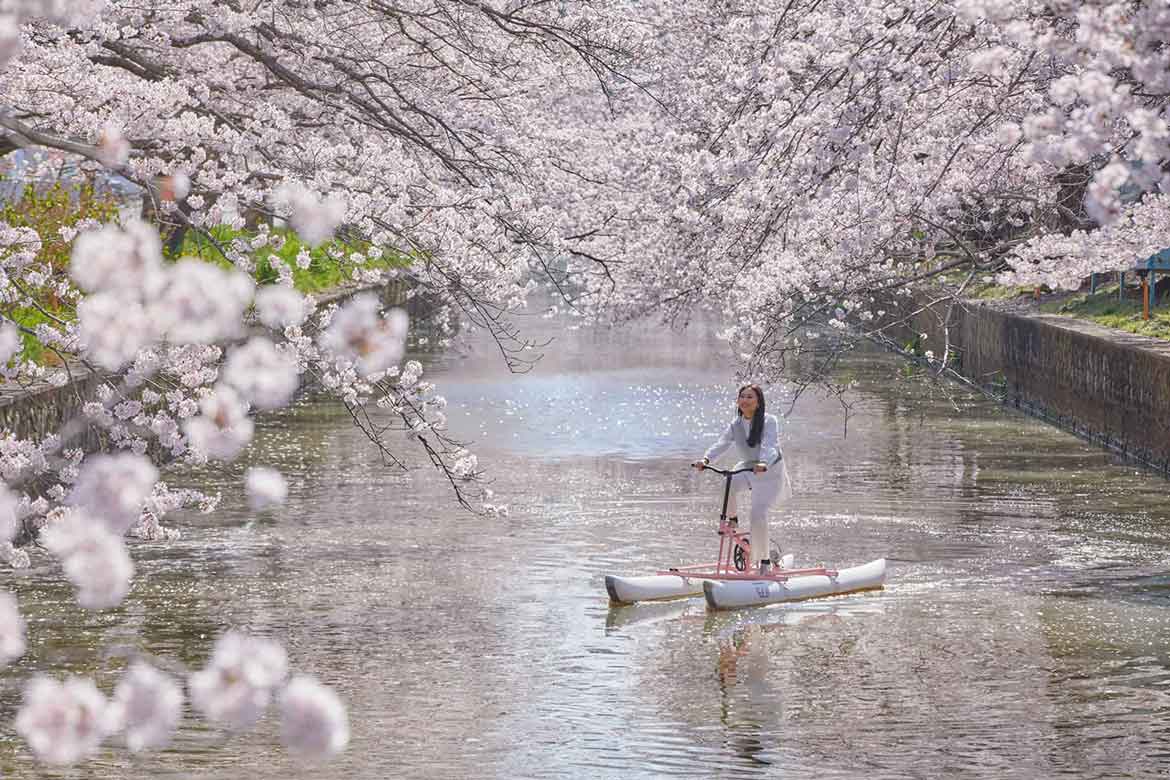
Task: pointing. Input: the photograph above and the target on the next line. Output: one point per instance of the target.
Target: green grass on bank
(1101, 307)
(1104, 308)
(983, 289)
(993, 292)
(324, 272)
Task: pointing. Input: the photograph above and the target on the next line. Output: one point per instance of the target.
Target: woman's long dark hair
(757, 431)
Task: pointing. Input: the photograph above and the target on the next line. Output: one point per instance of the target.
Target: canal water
(1023, 631)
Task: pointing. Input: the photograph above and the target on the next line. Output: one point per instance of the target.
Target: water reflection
(751, 707)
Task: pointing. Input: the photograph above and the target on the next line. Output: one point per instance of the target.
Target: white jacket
(766, 453)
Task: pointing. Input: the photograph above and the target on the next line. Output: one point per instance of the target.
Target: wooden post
(1146, 297)
(1120, 286)
(1092, 284)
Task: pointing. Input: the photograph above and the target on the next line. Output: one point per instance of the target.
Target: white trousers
(765, 489)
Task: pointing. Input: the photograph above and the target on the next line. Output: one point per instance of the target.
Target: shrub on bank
(55, 213)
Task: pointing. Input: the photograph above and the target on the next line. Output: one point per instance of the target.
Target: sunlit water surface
(1023, 631)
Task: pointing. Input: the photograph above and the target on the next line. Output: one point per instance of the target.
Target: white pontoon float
(729, 584)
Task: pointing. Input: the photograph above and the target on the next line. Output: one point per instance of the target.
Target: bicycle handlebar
(726, 472)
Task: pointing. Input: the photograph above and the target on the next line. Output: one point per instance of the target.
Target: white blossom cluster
(358, 334)
(1065, 260)
(266, 487)
(113, 489)
(239, 683)
(9, 342)
(279, 307)
(12, 630)
(262, 374)
(19, 245)
(223, 428)
(313, 217)
(236, 686)
(63, 721)
(135, 301)
(313, 722)
(146, 706)
(66, 721)
(93, 558)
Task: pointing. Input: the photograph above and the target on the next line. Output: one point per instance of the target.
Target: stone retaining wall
(1104, 385)
(32, 411)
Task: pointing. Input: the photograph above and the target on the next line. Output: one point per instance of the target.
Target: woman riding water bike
(756, 438)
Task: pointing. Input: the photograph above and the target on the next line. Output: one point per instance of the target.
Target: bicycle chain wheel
(739, 557)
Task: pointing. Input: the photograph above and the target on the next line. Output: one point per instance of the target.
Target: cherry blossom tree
(857, 151)
(790, 164)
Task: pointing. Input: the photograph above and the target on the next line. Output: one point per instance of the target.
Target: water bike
(731, 581)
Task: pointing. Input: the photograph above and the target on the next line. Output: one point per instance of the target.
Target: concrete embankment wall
(33, 411)
(1104, 385)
